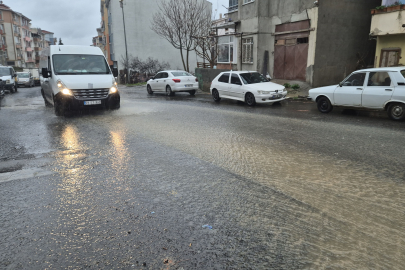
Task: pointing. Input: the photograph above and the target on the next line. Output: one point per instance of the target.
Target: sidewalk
(302, 92)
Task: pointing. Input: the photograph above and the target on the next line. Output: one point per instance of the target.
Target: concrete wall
(394, 41)
(142, 41)
(205, 77)
(343, 31)
(388, 23)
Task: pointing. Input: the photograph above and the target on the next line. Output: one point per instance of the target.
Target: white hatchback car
(374, 88)
(247, 86)
(172, 81)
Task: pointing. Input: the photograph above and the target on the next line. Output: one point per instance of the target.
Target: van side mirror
(340, 84)
(45, 73)
(115, 72)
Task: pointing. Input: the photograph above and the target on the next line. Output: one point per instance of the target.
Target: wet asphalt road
(283, 186)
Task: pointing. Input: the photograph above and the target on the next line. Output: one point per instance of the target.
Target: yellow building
(388, 26)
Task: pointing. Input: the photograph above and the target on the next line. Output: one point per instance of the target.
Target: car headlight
(263, 92)
(63, 89)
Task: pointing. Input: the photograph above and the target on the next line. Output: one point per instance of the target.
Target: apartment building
(142, 41)
(314, 41)
(19, 43)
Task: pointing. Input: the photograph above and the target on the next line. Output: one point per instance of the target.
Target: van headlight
(63, 89)
(263, 92)
(8, 81)
(113, 90)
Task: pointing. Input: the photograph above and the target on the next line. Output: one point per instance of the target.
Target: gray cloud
(75, 21)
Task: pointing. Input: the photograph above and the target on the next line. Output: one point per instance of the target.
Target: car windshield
(69, 64)
(181, 74)
(251, 78)
(403, 73)
(23, 75)
(5, 72)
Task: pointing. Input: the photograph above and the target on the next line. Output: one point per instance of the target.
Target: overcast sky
(75, 21)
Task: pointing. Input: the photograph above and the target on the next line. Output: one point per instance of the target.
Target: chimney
(220, 14)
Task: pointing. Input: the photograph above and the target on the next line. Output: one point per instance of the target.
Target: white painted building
(142, 41)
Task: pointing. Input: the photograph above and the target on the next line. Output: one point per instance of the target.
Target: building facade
(19, 44)
(142, 41)
(315, 41)
(388, 27)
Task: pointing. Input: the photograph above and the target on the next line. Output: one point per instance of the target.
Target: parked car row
(247, 86)
(376, 88)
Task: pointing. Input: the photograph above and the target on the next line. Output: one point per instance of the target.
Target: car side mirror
(45, 73)
(115, 72)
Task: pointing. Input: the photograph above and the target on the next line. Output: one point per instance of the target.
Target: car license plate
(92, 102)
(188, 85)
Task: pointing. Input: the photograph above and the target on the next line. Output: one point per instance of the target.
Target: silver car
(25, 79)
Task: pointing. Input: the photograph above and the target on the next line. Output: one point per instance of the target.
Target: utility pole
(125, 35)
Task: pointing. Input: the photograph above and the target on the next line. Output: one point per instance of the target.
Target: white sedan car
(247, 86)
(172, 81)
(375, 88)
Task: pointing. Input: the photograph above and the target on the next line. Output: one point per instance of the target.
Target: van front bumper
(112, 101)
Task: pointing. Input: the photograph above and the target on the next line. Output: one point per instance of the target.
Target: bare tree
(178, 21)
(149, 67)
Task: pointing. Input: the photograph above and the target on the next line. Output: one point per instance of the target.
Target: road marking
(23, 174)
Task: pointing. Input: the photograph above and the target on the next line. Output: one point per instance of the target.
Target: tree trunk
(188, 66)
(182, 58)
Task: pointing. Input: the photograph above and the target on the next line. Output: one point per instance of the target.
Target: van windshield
(23, 75)
(76, 64)
(5, 72)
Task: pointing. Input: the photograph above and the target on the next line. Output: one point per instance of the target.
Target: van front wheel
(60, 108)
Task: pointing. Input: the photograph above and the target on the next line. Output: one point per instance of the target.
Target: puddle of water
(23, 174)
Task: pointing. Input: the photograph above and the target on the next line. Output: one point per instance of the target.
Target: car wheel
(149, 89)
(250, 99)
(396, 111)
(12, 90)
(192, 92)
(324, 105)
(169, 91)
(60, 108)
(215, 95)
(16, 88)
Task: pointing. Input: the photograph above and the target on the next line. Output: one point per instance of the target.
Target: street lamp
(125, 35)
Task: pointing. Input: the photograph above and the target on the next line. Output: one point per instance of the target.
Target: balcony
(27, 38)
(28, 49)
(37, 58)
(18, 45)
(382, 22)
(1, 32)
(37, 39)
(384, 9)
(17, 34)
(38, 49)
(29, 60)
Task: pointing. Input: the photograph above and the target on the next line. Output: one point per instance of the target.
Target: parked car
(374, 88)
(8, 75)
(25, 79)
(172, 81)
(34, 73)
(247, 86)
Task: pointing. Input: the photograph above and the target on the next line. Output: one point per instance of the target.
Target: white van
(77, 77)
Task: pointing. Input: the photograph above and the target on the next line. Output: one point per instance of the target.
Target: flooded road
(282, 187)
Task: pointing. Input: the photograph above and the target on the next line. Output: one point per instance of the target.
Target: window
(247, 50)
(356, 79)
(233, 5)
(225, 49)
(224, 78)
(248, 1)
(181, 74)
(235, 79)
(403, 73)
(1, 15)
(164, 75)
(379, 79)
(252, 78)
(79, 64)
